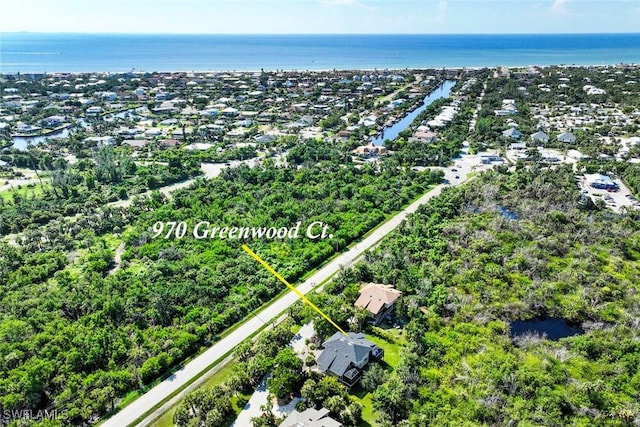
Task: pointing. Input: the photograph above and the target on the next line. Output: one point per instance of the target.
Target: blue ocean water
(35, 52)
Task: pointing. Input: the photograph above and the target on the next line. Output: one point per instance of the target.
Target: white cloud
(559, 6)
(442, 9)
(347, 3)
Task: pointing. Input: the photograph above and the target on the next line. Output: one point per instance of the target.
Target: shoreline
(322, 70)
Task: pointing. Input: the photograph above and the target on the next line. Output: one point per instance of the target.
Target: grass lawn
(26, 191)
(390, 361)
(364, 398)
(166, 420)
(391, 349)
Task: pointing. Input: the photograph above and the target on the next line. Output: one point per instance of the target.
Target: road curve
(147, 401)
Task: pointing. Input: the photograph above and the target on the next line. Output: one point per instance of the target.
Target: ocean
(37, 53)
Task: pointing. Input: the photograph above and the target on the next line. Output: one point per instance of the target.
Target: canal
(392, 132)
(23, 142)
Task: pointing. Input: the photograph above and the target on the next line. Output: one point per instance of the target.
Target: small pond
(507, 213)
(552, 328)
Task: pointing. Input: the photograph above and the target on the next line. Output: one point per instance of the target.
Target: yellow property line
(297, 292)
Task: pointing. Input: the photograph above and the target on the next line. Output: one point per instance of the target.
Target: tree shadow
(358, 391)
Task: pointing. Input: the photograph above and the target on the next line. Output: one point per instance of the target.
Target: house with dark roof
(345, 356)
(378, 299)
(310, 418)
(567, 137)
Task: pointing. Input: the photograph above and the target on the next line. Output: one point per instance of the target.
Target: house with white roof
(540, 136)
(512, 133)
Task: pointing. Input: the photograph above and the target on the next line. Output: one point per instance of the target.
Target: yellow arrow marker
(297, 292)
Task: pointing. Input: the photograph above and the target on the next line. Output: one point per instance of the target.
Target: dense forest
(507, 246)
(83, 187)
(78, 331)
(510, 245)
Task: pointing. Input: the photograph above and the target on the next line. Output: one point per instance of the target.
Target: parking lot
(614, 200)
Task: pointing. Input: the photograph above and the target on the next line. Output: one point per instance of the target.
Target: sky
(321, 16)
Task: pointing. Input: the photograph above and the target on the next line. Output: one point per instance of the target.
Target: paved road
(211, 170)
(13, 183)
(147, 401)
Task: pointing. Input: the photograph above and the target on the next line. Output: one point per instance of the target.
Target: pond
(392, 132)
(22, 142)
(550, 327)
(508, 214)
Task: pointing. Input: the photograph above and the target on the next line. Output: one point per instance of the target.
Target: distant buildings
(539, 137)
(601, 182)
(512, 133)
(101, 140)
(567, 137)
(508, 108)
(370, 150)
(592, 90)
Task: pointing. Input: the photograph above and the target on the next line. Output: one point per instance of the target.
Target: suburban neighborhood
(81, 150)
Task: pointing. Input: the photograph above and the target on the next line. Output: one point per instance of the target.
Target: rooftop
(375, 297)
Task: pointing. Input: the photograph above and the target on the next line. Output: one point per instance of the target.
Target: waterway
(392, 132)
(551, 328)
(23, 142)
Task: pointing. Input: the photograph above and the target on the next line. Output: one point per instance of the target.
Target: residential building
(95, 110)
(378, 299)
(370, 150)
(548, 156)
(101, 140)
(310, 418)
(137, 144)
(52, 121)
(540, 136)
(567, 137)
(425, 135)
(346, 355)
(512, 133)
(487, 159)
(168, 143)
(343, 135)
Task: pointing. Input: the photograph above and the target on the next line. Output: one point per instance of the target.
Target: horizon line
(317, 34)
